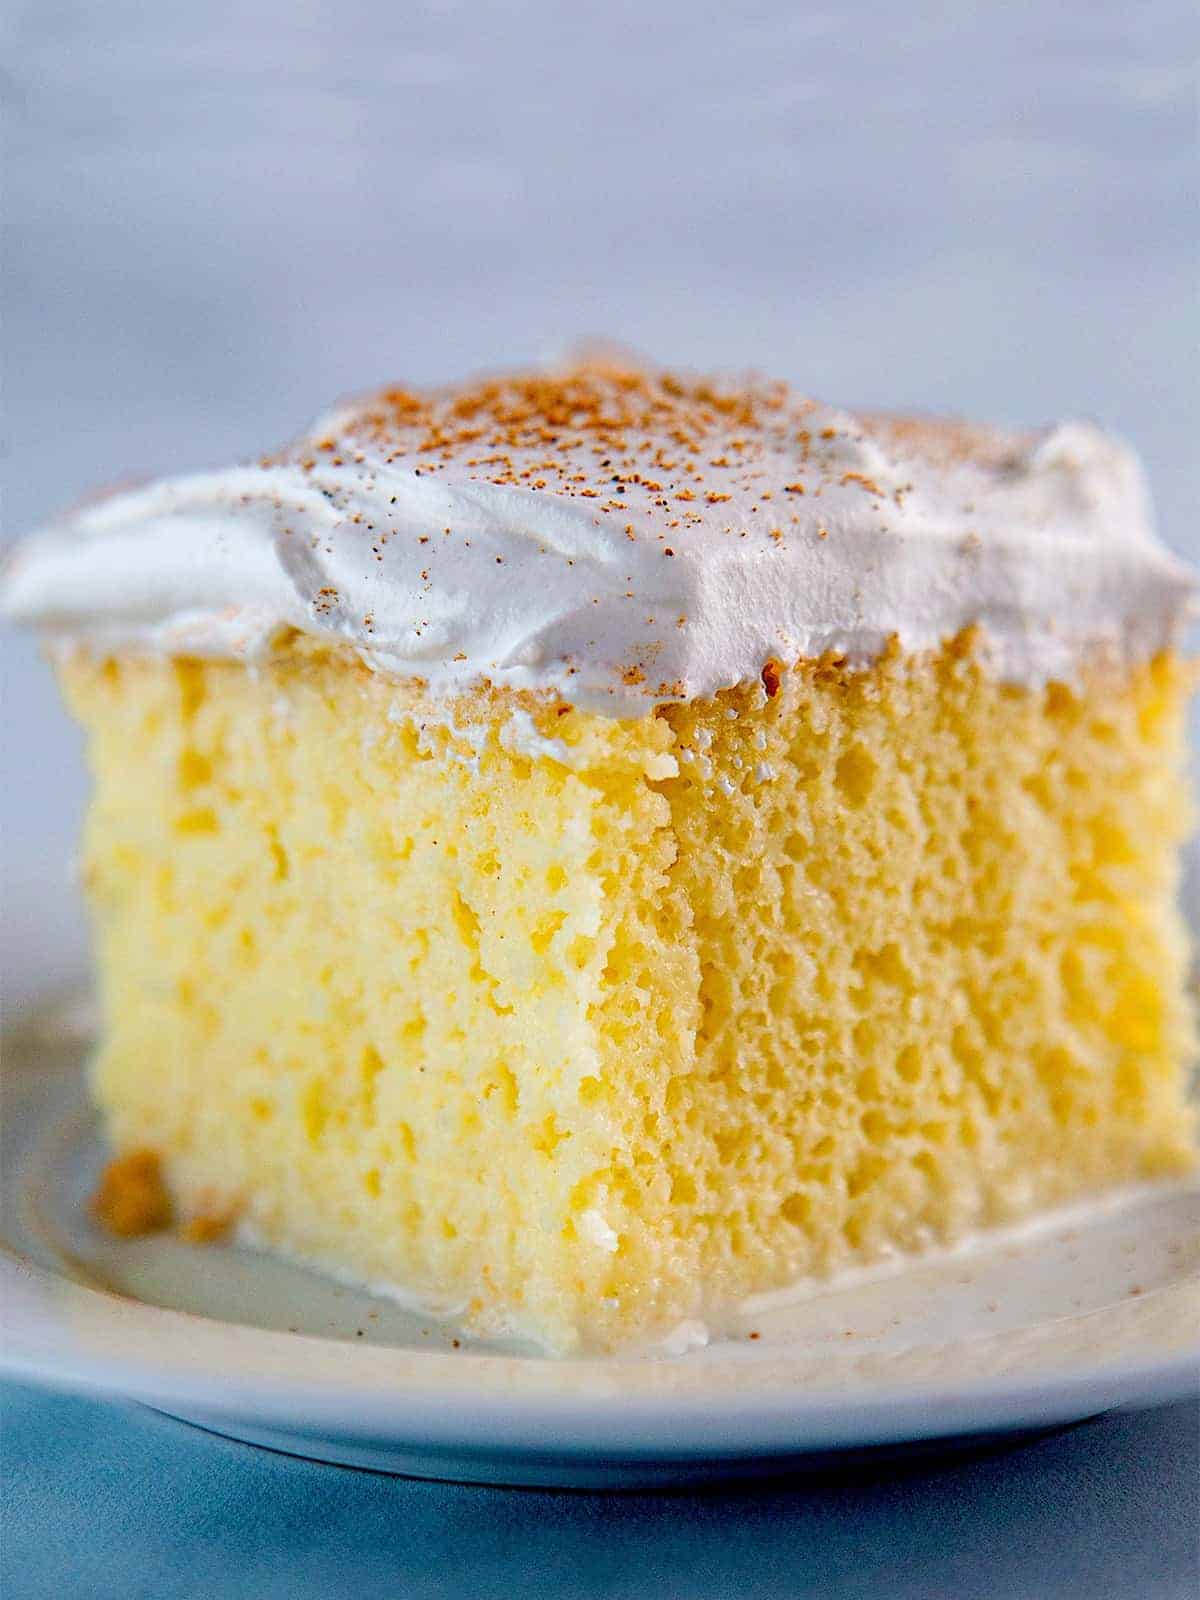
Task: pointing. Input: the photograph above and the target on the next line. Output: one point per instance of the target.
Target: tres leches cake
(578, 848)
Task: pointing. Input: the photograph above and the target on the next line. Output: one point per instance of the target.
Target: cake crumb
(131, 1198)
(206, 1229)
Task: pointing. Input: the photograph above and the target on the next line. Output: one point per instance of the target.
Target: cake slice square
(579, 996)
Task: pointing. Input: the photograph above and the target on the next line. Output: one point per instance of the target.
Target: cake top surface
(623, 536)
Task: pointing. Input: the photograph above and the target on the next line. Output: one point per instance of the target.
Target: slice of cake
(578, 848)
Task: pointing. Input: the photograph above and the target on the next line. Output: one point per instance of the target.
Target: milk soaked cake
(577, 848)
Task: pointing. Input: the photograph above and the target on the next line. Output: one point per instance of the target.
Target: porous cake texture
(579, 1027)
(580, 847)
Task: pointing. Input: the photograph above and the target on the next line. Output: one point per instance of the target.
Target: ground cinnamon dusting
(539, 429)
(667, 447)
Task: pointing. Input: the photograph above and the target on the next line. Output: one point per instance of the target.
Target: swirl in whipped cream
(624, 538)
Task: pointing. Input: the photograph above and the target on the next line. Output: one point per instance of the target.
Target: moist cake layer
(587, 1026)
(622, 538)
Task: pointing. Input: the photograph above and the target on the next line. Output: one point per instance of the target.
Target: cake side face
(942, 970)
(351, 946)
(580, 1027)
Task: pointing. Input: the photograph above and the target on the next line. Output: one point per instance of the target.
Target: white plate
(1029, 1331)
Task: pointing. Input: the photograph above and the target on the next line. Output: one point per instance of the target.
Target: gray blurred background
(218, 217)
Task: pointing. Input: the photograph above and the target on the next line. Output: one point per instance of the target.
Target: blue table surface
(106, 1499)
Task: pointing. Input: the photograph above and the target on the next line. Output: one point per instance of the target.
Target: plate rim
(403, 1401)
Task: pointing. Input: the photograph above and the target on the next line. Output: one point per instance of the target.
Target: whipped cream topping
(623, 537)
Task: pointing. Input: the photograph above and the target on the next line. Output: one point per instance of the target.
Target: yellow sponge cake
(577, 849)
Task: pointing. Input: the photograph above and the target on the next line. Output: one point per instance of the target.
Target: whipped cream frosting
(624, 537)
